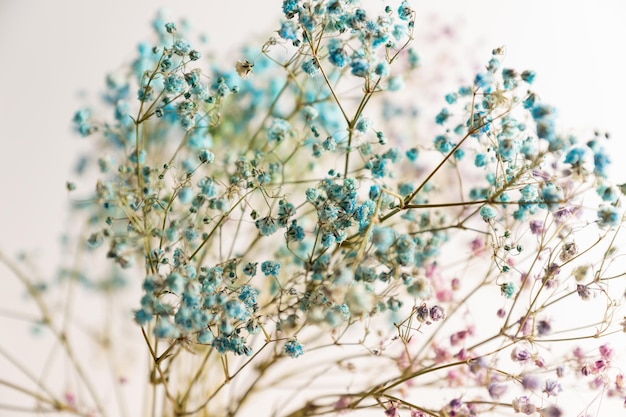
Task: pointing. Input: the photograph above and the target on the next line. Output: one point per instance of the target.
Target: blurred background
(55, 55)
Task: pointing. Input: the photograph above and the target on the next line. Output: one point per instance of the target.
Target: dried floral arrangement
(301, 250)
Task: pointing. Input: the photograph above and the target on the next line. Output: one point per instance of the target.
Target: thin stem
(26, 372)
(53, 402)
(61, 336)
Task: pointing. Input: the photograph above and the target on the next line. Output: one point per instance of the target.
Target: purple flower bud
(599, 365)
(583, 291)
(530, 382)
(520, 355)
(436, 313)
(606, 351)
(497, 390)
(551, 411)
(585, 370)
(543, 327)
(552, 388)
(392, 412)
(523, 405)
(536, 227)
(422, 313)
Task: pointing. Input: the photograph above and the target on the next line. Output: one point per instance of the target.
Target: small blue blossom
(405, 11)
(608, 193)
(175, 84)
(383, 238)
(507, 148)
(414, 58)
(95, 240)
(175, 282)
(267, 225)
(270, 268)
(206, 157)
(336, 54)
(329, 144)
(236, 310)
(405, 250)
(164, 329)
(480, 160)
(143, 317)
(295, 233)
(488, 213)
(575, 156)
(362, 125)
(250, 269)
(288, 30)
(443, 144)
(181, 47)
(382, 69)
(394, 304)
(329, 213)
(382, 139)
(249, 295)
(290, 7)
(312, 194)
(553, 196)
(334, 7)
(608, 216)
(82, 121)
(185, 195)
(601, 162)
(451, 98)
(205, 337)
(375, 191)
(529, 102)
(529, 148)
(396, 83)
(310, 113)
(360, 67)
(310, 66)
(170, 27)
(545, 118)
(508, 289)
(400, 32)
(483, 80)
(494, 64)
(293, 348)
(279, 130)
(406, 188)
(191, 234)
(208, 187)
(412, 154)
(378, 167)
(328, 239)
(541, 111)
(528, 76)
(123, 113)
(443, 115)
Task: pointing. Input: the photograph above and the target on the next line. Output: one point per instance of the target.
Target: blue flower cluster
(289, 188)
(211, 309)
(349, 28)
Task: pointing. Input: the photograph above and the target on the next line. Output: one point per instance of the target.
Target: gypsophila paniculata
(281, 207)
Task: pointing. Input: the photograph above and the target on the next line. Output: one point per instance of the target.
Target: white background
(52, 50)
